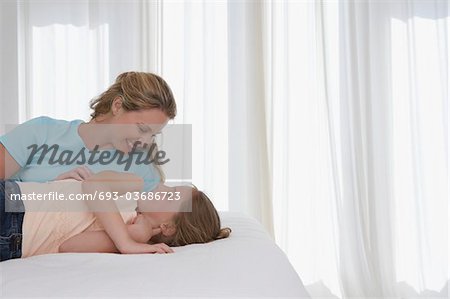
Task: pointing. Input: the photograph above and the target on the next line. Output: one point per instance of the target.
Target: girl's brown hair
(138, 91)
(202, 225)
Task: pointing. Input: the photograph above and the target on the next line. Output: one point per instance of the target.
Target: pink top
(44, 231)
(54, 228)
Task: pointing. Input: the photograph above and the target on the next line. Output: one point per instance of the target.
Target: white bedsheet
(247, 264)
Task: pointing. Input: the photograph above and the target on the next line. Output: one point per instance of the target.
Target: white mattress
(247, 264)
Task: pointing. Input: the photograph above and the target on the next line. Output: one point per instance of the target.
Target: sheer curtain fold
(366, 98)
(247, 114)
(356, 268)
(151, 36)
(420, 170)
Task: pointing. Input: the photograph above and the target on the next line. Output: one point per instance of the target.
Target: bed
(246, 265)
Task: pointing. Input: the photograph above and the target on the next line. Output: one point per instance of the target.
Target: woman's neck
(95, 132)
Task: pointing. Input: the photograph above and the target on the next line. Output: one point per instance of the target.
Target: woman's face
(133, 126)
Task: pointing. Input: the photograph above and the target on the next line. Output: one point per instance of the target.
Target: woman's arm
(8, 166)
(16, 143)
(120, 182)
(99, 241)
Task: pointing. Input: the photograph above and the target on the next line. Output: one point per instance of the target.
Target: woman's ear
(116, 105)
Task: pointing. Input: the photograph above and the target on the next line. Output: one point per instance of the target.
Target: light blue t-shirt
(43, 131)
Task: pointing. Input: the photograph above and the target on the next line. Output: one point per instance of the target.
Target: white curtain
(212, 58)
(359, 94)
(325, 120)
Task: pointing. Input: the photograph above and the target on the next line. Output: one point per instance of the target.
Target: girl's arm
(8, 166)
(91, 241)
(106, 210)
(99, 241)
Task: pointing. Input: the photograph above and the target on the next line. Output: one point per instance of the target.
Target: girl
(77, 231)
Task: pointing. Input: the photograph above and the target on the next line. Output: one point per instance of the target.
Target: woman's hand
(80, 174)
(135, 248)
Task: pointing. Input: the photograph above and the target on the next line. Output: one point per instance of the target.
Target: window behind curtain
(72, 51)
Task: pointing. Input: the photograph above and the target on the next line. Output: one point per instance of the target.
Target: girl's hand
(135, 248)
(80, 174)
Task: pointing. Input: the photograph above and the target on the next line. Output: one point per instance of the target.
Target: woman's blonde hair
(202, 225)
(138, 90)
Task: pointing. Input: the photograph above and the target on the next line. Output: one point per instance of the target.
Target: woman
(77, 230)
(135, 108)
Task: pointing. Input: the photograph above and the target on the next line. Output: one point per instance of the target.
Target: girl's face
(133, 126)
(162, 220)
(165, 220)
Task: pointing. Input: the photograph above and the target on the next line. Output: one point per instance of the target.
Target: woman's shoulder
(52, 127)
(47, 120)
(37, 128)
